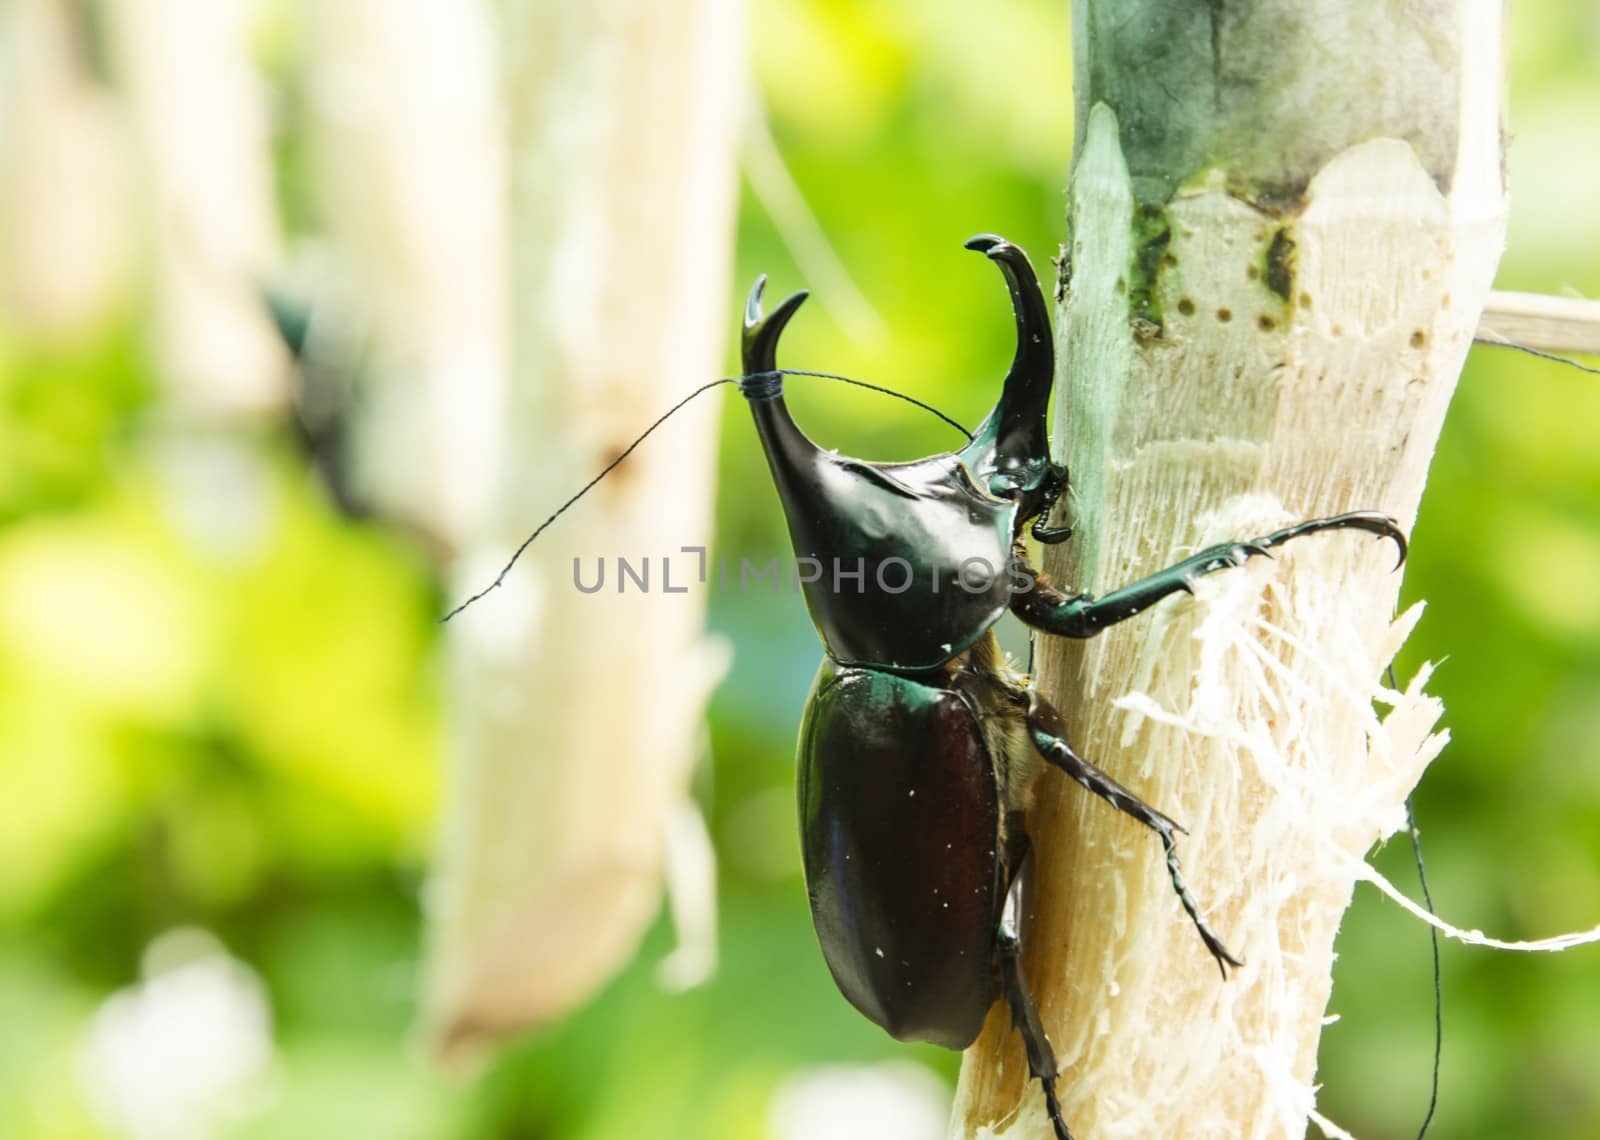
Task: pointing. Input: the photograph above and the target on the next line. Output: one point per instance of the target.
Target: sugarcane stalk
(1284, 220)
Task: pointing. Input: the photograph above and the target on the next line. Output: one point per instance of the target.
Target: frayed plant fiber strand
(1328, 1128)
(1555, 944)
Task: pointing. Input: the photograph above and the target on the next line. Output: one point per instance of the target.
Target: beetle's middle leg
(1024, 1013)
(1047, 729)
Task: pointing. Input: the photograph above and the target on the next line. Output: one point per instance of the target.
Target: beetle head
(892, 547)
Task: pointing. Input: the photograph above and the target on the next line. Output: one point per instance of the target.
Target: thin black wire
(1438, 984)
(1433, 934)
(878, 388)
(561, 510)
(1502, 342)
(1411, 814)
(663, 418)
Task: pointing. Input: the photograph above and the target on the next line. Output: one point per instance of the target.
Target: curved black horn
(760, 342)
(1035, 358)
(1011, 450)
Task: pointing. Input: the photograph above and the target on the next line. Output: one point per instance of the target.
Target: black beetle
(920, 743)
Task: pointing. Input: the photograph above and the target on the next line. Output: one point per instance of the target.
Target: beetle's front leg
(1024, 1013)
(1048, 737)
(1047, 608)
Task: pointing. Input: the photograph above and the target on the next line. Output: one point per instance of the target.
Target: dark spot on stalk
(1063, 263)
(1152, 234)
(1280, 263)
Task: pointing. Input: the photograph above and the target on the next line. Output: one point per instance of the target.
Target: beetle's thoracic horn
(1033, 366)
(1010, 451)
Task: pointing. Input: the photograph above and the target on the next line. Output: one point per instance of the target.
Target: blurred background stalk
(576, 719)
(197, 114)
(63, 216)
(410, 179)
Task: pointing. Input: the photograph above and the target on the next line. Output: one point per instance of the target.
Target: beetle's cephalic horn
(760, 343)
(1010, 451)
(792, 456)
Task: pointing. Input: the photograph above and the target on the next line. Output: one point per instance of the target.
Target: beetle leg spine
(1045, 723)
(1025, 1012)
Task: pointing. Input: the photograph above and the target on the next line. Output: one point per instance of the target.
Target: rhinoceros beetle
(920, 744)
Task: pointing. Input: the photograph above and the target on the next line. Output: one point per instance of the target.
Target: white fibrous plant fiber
(1253, 719)
(1280, 665)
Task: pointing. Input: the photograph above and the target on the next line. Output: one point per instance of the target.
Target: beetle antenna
(500, 578)
(1497, 341)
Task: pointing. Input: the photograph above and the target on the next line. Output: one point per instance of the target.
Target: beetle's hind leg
(1024, 1013)
(1047, 729)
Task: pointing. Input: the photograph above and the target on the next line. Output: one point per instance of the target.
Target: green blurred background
(244, 738)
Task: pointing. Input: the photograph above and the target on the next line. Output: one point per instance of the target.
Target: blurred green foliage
(242, 735)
